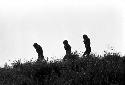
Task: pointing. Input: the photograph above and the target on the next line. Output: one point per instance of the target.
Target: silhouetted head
(85, 36)
(65, 42)
(35, 45)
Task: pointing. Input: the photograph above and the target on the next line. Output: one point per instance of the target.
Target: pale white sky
(49, 22)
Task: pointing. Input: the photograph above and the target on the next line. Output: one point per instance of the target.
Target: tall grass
(72, 70)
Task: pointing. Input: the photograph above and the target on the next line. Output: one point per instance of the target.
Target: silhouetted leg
(40, 57)
(88, 50)
(88, 53)
(85, 53)
(68, 52)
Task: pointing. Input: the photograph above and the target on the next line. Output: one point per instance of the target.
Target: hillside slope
(73, 70)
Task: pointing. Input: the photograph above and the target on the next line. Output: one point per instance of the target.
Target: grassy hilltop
(74, 70)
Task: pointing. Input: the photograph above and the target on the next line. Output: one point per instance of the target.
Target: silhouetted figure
(39, 50)
(87, 45)
(67, 47)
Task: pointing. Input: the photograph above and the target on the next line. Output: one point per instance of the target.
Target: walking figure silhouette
(39, 50)
(87, 45)
(67, 47)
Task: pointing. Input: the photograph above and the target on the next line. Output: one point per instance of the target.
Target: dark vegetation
(72, 70)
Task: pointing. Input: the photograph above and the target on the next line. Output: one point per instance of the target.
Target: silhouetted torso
(87, 43)
(39, 50)
(67, 48)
